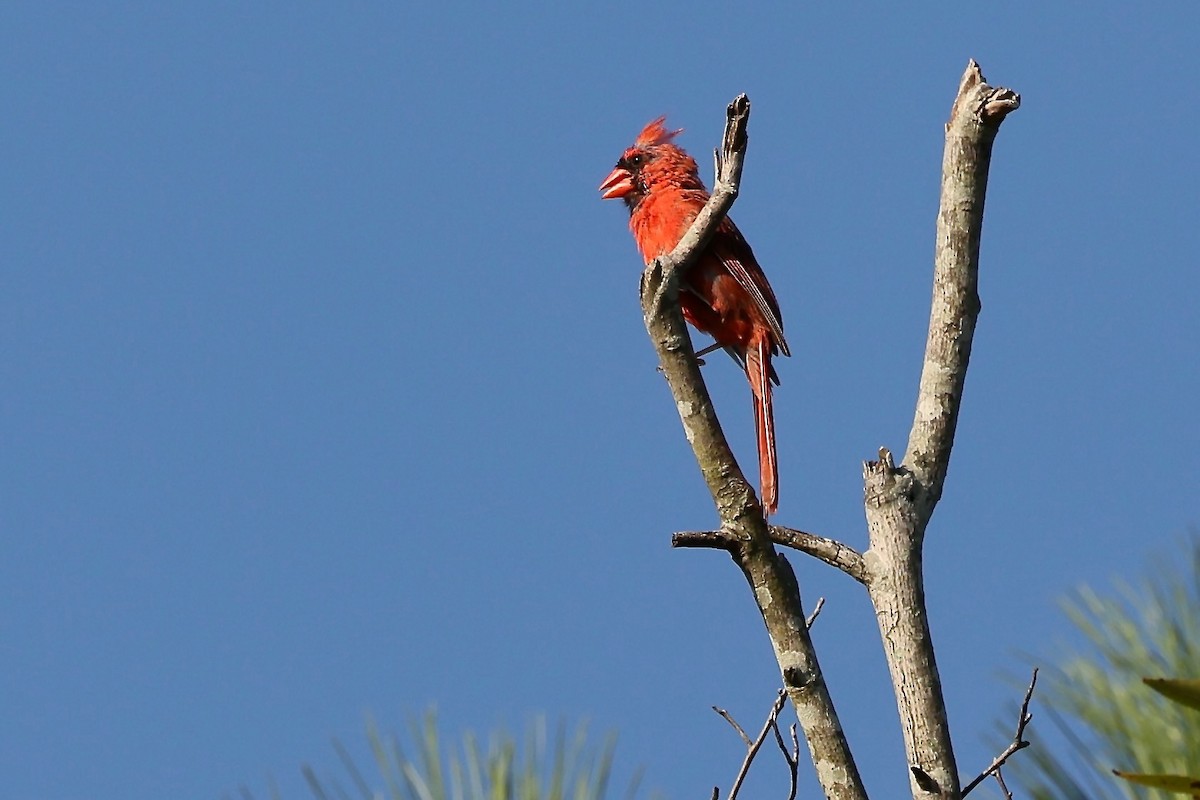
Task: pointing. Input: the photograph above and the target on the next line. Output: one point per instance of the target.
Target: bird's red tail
(758, 370)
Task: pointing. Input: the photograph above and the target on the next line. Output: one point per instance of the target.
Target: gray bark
(899, 500)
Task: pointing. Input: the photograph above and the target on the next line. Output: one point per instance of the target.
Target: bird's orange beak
(618, 184)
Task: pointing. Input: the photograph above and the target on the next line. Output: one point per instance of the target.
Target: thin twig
(816, 610)
(1003, 788)
(795, 760)
(1018, 743)
(729, 718)
(792, 758)
(776, 707)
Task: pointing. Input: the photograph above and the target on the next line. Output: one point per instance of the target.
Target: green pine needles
(1101, 715)
(542, 767)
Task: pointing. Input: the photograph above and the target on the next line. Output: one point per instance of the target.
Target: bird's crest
(656, 133)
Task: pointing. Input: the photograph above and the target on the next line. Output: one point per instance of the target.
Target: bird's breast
(661, 219)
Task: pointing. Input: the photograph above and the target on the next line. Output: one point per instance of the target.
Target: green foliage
(1100, 715)
(1176, 784)
(566, 769)
(1186, 693)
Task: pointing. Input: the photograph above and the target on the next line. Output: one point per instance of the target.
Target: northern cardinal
(725, 293)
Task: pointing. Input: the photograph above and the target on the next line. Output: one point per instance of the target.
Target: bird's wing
(734, 252)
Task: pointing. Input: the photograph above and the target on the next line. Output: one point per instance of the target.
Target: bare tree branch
(663, 273)
(746, 537)
(815, 612)
(1003, 788)
(792, 757)
(831, 551)
(725, 715)
(974, 122)
(900, 500)
(1018, 743)
(664, 321)
(718, 540)
(752, 747)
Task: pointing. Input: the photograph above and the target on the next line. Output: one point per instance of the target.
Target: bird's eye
(636, 160)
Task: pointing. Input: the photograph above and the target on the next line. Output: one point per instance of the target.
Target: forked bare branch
(743, 531)
(792, 757)
(900, 498)
(1018, 743)
(753, 746)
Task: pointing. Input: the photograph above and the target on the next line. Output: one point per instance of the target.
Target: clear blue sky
(324, 387)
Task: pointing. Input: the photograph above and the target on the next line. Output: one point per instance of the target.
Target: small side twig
(1000, 780)
(808, 623)
(752, 747)
(831, 551)
(718, 540)
(792, 757)
(729, 718)
(1018, 743)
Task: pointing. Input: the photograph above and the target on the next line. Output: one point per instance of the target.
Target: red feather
(725, 294)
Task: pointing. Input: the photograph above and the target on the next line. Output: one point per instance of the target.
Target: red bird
(725, 293)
